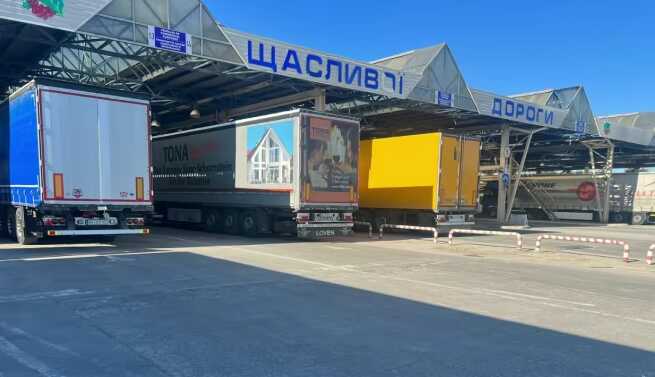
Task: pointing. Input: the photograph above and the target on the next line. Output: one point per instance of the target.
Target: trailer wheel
(23, 234)
(639, 219)
(231, 222)
(618, 218)
(248, 224)
(10, 224)
(4, 231)
(212, 221)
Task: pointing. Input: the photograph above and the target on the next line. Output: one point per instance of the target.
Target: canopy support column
(504, 173)
(509, 179)
(603, 197)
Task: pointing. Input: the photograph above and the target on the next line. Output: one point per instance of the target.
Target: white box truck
(73, 162)
(291, 172)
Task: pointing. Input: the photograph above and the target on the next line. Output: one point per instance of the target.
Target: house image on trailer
(270, 162)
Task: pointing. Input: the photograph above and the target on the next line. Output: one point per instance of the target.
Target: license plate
(457, 218)
(326, 217)
(325, 233)
(96, 222)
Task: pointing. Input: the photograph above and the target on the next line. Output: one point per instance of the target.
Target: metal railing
(434, 231)
(625, 245)
(451, 235)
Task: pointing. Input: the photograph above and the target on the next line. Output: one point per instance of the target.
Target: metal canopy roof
(230, 74)
(574, 100)
(638, 128)
(438, 72)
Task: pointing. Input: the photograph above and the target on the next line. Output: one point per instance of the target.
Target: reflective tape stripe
(58, 180)
(140, 189)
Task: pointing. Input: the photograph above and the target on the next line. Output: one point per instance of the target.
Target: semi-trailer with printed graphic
(579, 197)
(73, 162)
(291, 172)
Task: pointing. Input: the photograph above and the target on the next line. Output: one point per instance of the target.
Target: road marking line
(335, 247)
(85, 256)
(603, 314)
(26, 359)
(539, 297)
(25, 334)
(44, 295)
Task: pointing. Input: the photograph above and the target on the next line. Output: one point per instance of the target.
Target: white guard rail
(626, 246)
(518, 236)
(434, 231)
(364, 224)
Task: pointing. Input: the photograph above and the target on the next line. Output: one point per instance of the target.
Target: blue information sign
(170, 40)
(444, 99)
(580, 127)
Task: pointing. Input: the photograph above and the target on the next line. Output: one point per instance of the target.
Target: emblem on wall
(45, 9)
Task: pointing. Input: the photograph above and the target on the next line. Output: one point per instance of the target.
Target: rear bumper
(99, 232)
(324, 230)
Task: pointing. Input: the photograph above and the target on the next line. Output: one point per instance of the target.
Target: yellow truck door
(469, 173)
(450, 171)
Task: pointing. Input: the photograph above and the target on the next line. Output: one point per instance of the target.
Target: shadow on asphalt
(184, 314)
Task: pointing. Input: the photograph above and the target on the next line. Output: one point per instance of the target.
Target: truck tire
(248, 224)
(212, 221)
(10, 224)
(639, 218)
(231, 222)
(23, 234)
(4, 232)
(618, 218)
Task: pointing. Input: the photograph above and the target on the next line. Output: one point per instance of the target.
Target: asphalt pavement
(187, 303)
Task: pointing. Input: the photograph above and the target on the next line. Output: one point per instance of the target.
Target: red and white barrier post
(650, 256)
(626, 246)
(434, 231)
(451, 235)
(366, 225)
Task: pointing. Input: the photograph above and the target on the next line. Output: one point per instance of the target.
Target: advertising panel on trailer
(291, 172)
(75, 162)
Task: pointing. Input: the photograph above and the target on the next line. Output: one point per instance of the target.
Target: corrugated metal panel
(637, 128)
(71, 15)
(540, 98)
(128, 20)
(439, 73)
(580, 117)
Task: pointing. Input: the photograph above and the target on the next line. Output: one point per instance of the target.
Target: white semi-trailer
(580, 197)
(73, 162)
(292, 172)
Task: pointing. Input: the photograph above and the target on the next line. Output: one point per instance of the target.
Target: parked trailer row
(81, 162)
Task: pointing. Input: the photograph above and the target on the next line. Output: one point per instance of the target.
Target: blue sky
(507, 47)
(284, 130)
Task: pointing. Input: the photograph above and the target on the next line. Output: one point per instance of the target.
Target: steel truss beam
(606, 171)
